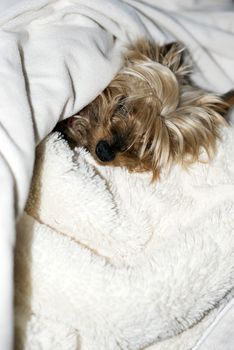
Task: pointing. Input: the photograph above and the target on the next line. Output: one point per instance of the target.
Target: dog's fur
(151, 115)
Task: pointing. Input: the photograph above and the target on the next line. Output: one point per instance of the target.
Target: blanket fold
(123, 262)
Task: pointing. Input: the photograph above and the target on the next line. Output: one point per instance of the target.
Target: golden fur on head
(150, 116)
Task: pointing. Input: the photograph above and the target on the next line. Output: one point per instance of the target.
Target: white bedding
(111, 261)
(57, 55)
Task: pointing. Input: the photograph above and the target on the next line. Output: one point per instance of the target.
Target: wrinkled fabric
(122, 262)
(57, 55)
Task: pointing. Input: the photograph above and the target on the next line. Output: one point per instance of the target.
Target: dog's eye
(122, 108)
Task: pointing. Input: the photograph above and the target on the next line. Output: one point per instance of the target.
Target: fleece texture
(108, 260)
(57, 55)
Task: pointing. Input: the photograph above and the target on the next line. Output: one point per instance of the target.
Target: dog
(151, 115)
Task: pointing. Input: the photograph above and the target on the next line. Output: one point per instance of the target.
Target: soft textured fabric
(57, 55)
(6, 4)
(219, 335)
(121, 262)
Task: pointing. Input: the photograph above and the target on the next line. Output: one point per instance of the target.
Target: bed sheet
(57, 55)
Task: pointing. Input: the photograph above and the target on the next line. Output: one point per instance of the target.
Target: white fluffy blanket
(106, 260)
(57, 55)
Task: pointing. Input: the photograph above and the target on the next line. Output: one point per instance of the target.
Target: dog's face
(150, 116)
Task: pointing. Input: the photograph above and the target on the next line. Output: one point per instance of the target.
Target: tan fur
(151, 115)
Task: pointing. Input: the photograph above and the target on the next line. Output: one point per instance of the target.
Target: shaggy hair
(150, 116)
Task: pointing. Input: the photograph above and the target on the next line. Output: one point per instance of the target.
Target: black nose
(104, 151)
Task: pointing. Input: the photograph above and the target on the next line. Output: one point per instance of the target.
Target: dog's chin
(121, 161)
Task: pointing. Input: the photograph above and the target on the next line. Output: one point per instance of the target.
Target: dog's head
(150, 116)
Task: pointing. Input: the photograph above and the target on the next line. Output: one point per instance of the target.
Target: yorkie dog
(151, 115)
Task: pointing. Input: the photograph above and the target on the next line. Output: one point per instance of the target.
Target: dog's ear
(176, 57)
(172, 55)
(228, 99)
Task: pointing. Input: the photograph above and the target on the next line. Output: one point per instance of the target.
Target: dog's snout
(104, 151)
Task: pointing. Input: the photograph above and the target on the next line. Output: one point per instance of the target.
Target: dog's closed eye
(122, 107)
